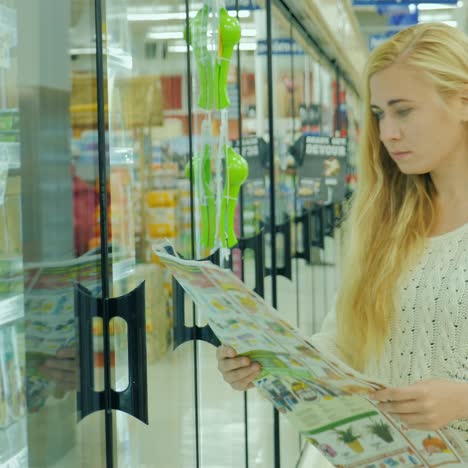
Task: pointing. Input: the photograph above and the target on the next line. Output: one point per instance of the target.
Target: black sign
(322, 163)
(310, 115)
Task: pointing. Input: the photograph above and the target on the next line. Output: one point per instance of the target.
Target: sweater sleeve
(325, 339)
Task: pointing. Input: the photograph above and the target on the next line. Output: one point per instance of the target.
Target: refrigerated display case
(103, 362)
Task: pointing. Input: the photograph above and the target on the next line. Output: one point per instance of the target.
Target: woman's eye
(379, 115)
(403, 112)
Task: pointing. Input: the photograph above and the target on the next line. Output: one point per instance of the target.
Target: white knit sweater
(430, 337)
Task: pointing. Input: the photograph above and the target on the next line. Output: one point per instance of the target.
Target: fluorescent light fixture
(437, 6)
(248, 46)
(158, 16)
(138, 15)
(180, 49)
(165, 35)
(454, 24)
(451, 23)
(83, 51)
(428, 17)
(242, 13)
(249, 32)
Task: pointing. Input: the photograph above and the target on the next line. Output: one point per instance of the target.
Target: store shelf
(11, 308)
(18, 460)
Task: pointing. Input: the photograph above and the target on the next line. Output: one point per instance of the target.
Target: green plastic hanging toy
(207, 202)
(236, 174)
(229, 37)
(196, 36)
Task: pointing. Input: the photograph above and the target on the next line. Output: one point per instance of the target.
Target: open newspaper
(322, 397)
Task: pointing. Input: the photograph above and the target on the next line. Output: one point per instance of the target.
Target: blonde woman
(401, 314)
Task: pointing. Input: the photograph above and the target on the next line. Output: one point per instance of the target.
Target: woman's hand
(237, 371)
(427, 405)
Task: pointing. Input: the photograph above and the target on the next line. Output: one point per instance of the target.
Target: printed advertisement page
(322, 397)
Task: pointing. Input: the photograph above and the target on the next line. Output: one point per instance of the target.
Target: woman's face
(420, 130)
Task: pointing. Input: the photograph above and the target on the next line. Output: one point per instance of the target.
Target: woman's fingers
(68, 365)
(67, 353)
(238, 371)
(229, 365)
(224, 352)
(246, 382)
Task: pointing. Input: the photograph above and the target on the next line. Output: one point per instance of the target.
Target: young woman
(402, 310)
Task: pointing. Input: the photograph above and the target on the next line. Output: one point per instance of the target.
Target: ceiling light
(246, 32)
(437, 6)
(138, 15)
(454, 24)
(248, 46)
(165, 35)
(242, 13)
(158, 16)
(183, 49)
(427, 17)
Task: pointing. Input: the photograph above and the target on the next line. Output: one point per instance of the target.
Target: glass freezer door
(48, 200)
(144, 188)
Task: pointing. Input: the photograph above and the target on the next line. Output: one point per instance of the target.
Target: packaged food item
(12, 398)
(4, 417)
(15, 373)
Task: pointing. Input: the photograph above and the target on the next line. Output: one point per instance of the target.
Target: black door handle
(86, 308)
(131, 308)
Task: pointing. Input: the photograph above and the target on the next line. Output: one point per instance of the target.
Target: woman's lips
(401, 154)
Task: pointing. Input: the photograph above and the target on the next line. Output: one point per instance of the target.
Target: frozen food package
(15, 371)
(4, 416)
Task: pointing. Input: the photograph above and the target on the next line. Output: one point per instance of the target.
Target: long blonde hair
(391, 212)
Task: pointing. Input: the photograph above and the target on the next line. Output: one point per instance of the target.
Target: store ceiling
(163, 20)
(371, 22)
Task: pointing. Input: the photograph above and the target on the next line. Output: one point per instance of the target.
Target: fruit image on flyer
(434, 445)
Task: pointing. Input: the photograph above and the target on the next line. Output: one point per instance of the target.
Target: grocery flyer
(323, 398)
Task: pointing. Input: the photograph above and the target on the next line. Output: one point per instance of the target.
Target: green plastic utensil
(196, 36)
(229, 37)
(237, 172)
(207, 202)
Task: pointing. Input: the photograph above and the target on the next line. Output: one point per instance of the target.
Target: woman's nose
(389, 130)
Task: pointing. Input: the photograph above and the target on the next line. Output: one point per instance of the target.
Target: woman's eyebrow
(392, 102)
